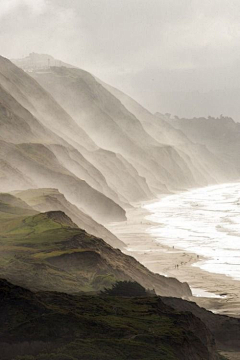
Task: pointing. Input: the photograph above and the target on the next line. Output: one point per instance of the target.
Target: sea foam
(203, 221)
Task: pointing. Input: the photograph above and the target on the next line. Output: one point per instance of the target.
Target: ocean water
(204, 221)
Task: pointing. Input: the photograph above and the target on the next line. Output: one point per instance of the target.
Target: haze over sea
(203, 221)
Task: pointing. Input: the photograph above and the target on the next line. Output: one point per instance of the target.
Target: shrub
(126, 288)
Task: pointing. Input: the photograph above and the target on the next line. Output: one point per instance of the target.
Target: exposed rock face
(44, 170)
(225, 329)
(34, 143)
(205, 164)
(114, 128)
(98, 137)
(32, 101)
(94, 327)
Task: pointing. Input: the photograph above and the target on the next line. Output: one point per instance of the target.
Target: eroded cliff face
(220, 135)
(193, 139)
(98, 328)
(114, 128)
(41, 146)
(226, 330)
(99, 138)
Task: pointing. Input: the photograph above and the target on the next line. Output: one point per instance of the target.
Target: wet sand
(218, 293)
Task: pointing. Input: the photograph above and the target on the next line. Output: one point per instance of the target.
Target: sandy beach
(216, 292)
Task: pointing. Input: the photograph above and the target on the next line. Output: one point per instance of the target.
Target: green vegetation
(65, 327)
(47, 251)
(41, 249)
(126, 288)
(31, 244)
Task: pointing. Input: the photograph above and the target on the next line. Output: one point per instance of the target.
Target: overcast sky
(143, 47)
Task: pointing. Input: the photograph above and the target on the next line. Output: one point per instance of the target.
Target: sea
(204, 221)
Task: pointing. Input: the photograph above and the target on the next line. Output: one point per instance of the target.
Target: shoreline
(215, 292)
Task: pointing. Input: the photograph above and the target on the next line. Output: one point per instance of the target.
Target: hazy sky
(144, 47)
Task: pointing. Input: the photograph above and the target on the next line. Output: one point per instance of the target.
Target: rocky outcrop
(225, 329)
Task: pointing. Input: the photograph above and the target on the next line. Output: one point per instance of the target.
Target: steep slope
(121, 175)
(44, 200)
(14, 201)
(113, 127)
(159, 152)
(18, 125)
(40, 104)
(220, 135)
(44, 170)
(98, 328)
(198, 158)
(79, 165)
(11, 207)
(12, 178)
(32, 115)
(226, 330)
(47, 251)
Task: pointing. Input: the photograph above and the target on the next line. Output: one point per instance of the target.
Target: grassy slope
(47, 251)
(45, 199)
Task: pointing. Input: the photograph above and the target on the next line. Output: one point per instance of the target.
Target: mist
(119, 179)
(157, 52)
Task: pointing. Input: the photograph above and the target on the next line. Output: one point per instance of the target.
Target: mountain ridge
(47, 251)
(45, 200)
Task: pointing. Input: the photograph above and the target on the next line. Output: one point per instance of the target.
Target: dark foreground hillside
(225, 329)
(57, 326)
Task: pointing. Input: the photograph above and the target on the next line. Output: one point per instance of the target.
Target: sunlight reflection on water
(204, 221)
